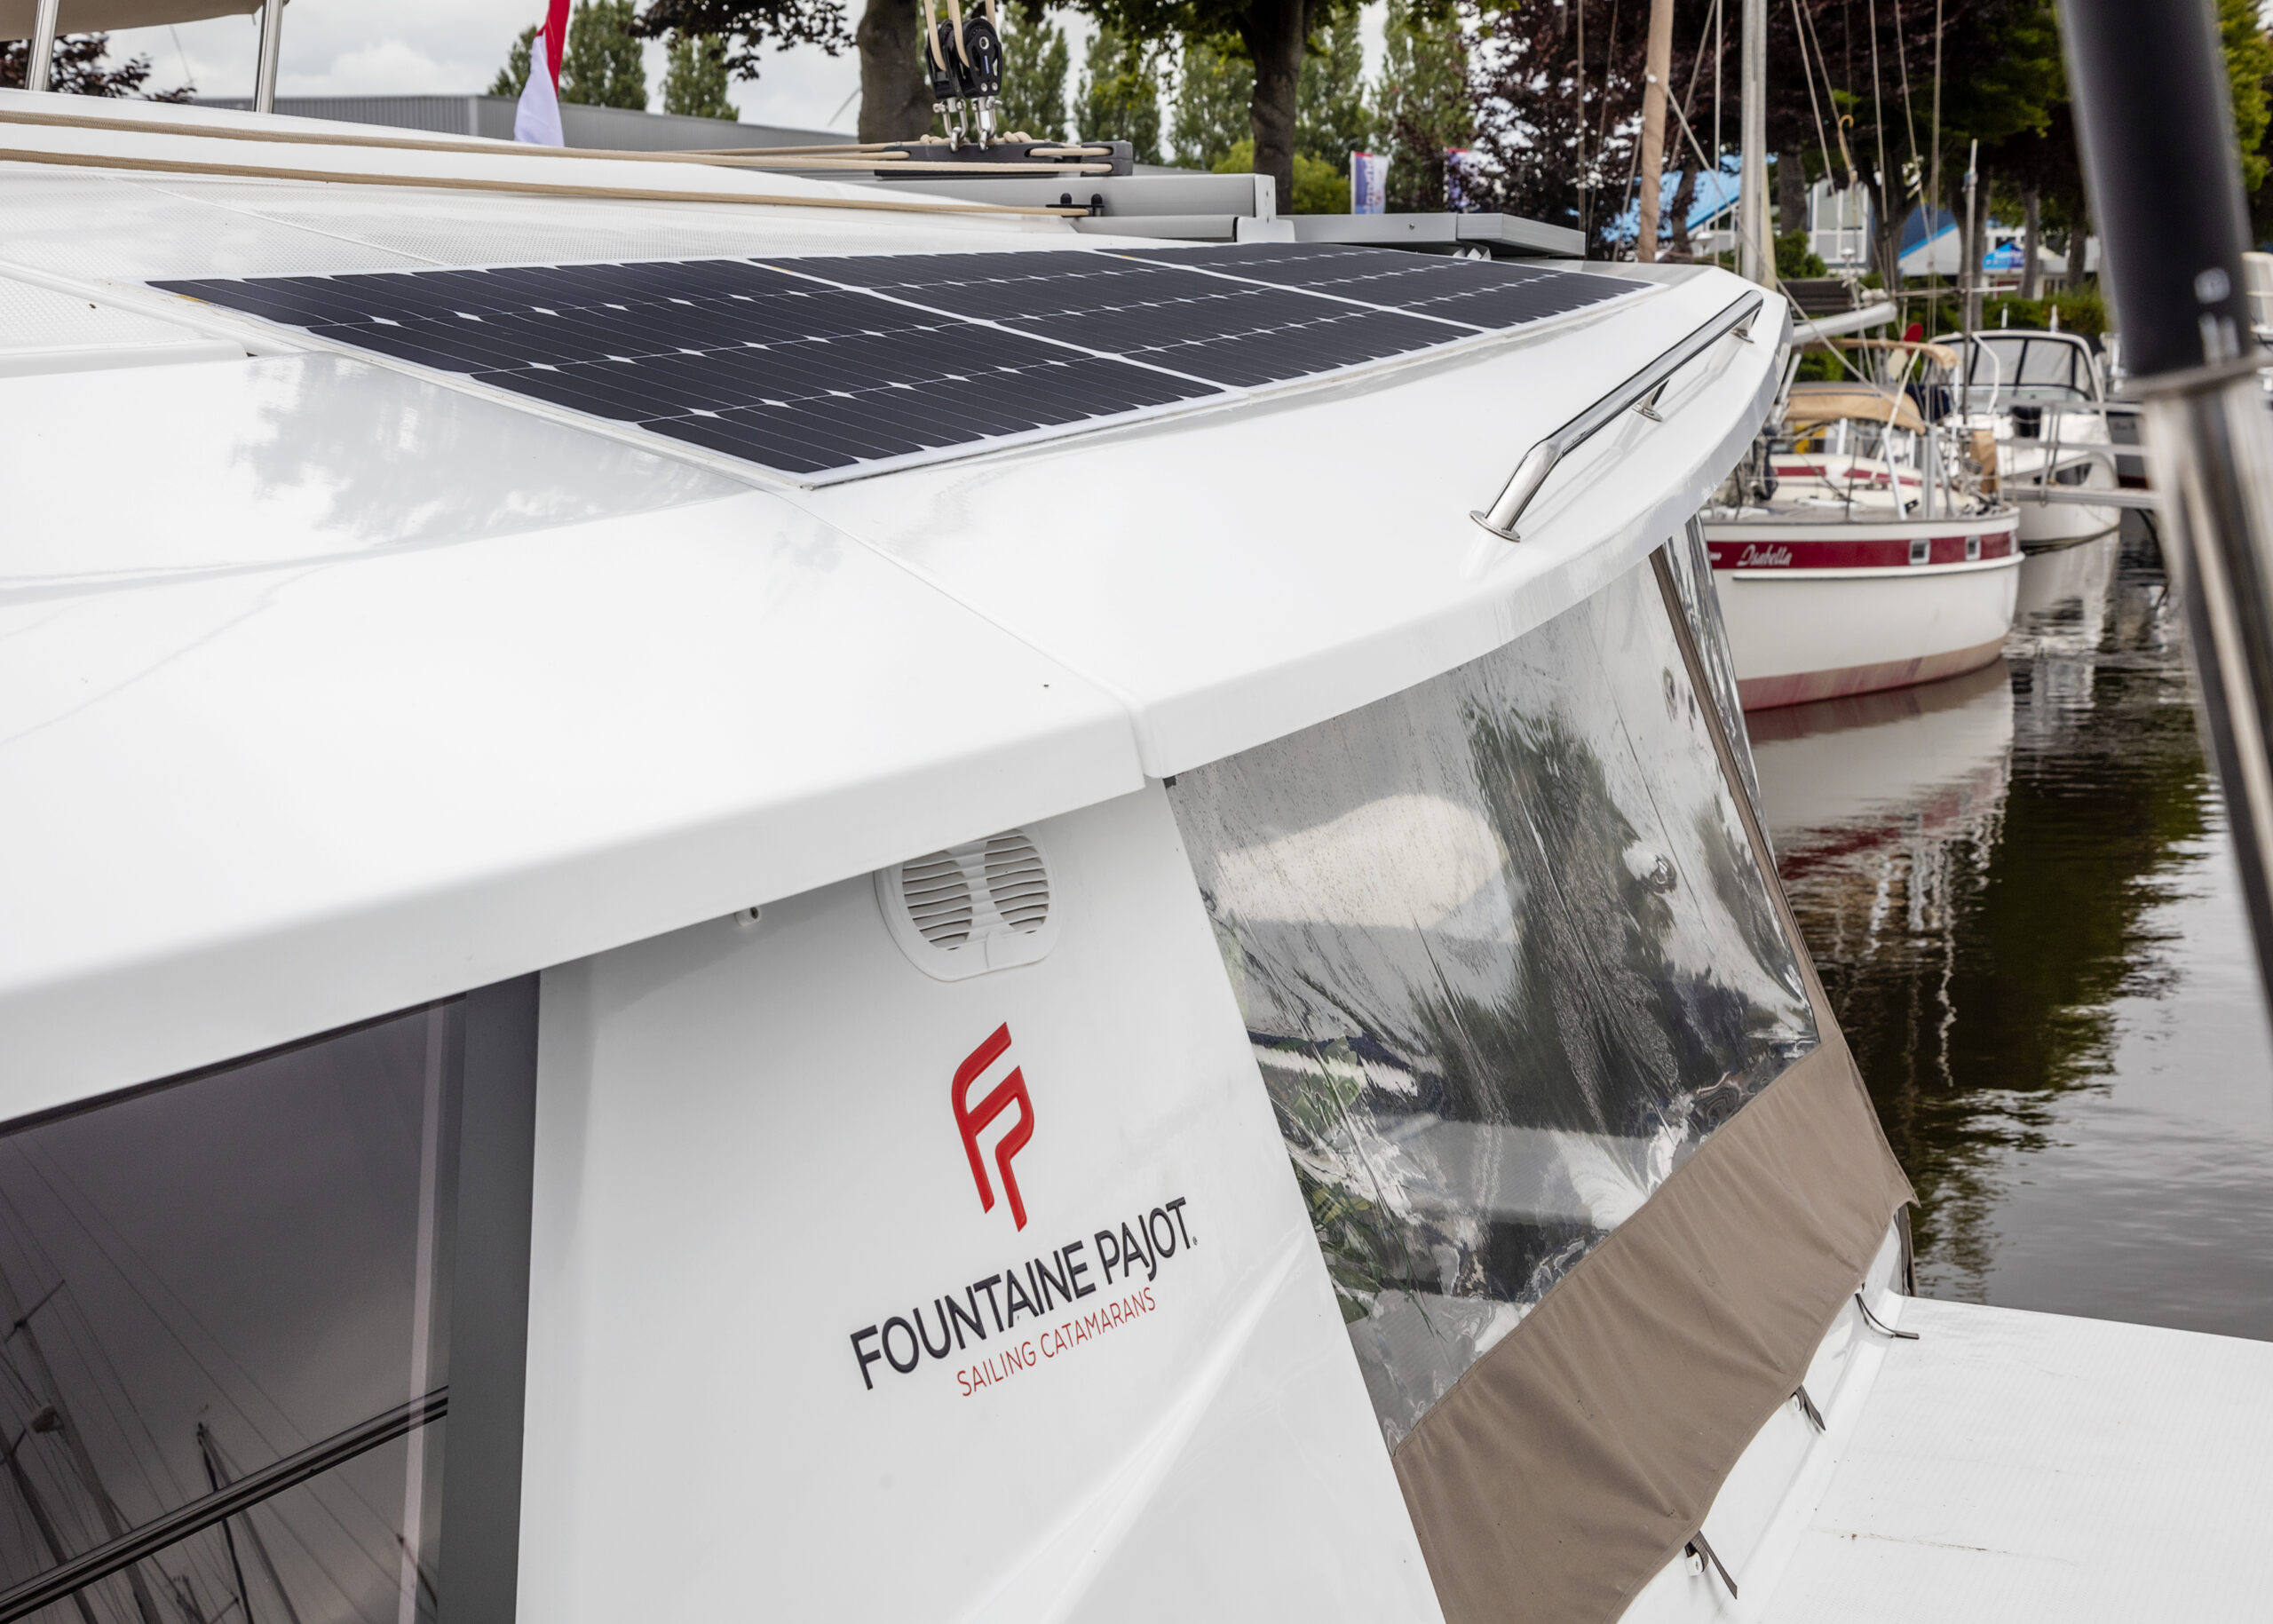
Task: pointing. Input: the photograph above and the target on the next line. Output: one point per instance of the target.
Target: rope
(538, 189)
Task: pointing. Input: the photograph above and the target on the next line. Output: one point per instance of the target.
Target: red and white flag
(537, 119)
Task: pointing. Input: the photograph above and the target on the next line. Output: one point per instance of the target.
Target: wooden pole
(1653, 127)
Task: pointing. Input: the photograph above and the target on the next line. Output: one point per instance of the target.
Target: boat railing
(47, 15)
(1640, 392)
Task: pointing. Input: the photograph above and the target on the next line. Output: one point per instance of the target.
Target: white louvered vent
(983, 905)
(937, 899)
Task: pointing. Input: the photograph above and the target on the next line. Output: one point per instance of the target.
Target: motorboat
(1855, 549)
(742, 892)
(2042, 396)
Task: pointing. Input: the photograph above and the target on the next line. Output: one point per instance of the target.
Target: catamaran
(732, 891)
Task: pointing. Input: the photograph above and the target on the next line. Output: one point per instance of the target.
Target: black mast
(2154, 119)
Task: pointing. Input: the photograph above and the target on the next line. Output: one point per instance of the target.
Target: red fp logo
(1010, 1091)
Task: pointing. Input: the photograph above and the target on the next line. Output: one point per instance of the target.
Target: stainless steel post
(272, 43)
(39, 65)
(2161, 165)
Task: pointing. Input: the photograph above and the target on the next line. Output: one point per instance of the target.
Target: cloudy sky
(362, 48)
(404, 47)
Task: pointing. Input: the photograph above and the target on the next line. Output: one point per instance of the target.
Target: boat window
(2029, 369)
(1506, 959)
(229, 1300)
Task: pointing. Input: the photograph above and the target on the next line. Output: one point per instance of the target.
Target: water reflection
(2017, 888)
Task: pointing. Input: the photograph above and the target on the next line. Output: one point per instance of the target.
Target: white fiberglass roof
(327, 686)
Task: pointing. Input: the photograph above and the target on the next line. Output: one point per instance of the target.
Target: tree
(1035, 63)
(895, 96)
(79, 68)
(1331, 117)
(513, 78)
(695, 84)
(1426, 104)
(1121, 98)
(1213, 90)
(1317, 189)
(1270, 36)
(2249, 64)
(601, 66)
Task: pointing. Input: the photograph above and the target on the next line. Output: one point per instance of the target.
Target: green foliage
(695, 83)
(1795, 257)
(1331, 116)
(2249, 63)
(1121, 97)
(79, 68)
(513, 78)
(1319, 188)
(2082, 310)
(1036, 64)
(1212, 93)
(1425, 104)
(601, 66)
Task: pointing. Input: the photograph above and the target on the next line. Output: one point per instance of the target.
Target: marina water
(2019, 890)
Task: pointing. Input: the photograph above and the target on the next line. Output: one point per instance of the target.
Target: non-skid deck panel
(822, 365)
(2014, 1465)
(1480, 293)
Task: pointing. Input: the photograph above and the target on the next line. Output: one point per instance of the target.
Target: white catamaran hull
(1818, 612)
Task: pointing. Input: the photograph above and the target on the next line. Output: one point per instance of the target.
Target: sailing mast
(145, 1604)
(1755, 257)
(43, 1420)
(1653, 127)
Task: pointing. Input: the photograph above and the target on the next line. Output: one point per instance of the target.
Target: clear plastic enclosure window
(1506, 960)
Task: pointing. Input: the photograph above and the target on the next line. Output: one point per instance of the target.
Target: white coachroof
(326, 687)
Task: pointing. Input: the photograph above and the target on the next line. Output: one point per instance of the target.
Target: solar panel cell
(1480, 293)
(822, 364)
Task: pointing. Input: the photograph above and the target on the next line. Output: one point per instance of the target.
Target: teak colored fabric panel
(1574, 1458)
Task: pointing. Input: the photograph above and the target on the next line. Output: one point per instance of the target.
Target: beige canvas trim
(1574, 1460)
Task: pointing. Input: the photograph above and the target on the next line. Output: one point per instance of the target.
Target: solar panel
(820, 366)
(1239, 334)
(1480, 293)
(725, 354)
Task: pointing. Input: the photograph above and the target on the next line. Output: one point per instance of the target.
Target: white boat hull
(1818, 611)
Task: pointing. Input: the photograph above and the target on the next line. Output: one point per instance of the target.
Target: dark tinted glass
(211, 1277)
(1506, 958)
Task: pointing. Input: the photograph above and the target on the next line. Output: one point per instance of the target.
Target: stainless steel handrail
(1641, 390)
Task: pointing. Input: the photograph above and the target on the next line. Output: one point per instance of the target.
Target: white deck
(2011, 1466)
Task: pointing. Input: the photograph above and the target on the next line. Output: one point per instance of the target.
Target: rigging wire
(1965, 231)
(77, 1205)
(1800, 28)
(56, 1170)
(1878, 127)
